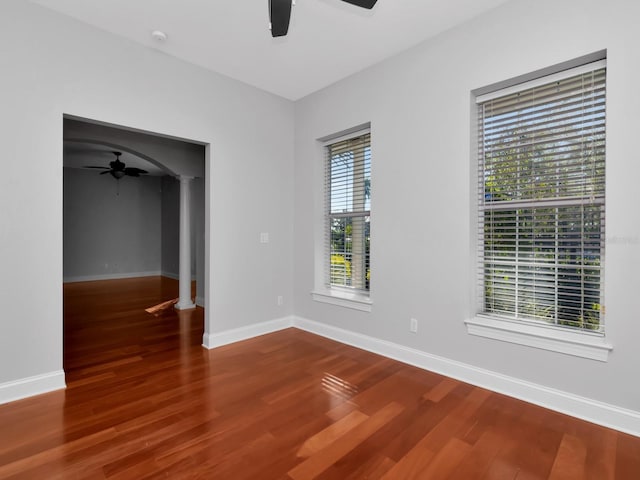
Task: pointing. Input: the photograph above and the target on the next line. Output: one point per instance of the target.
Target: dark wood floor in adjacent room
(145, 400)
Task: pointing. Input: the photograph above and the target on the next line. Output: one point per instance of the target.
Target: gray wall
(130, 229)
(170, 264)
(419, 105)
(52, 66)
(111, 228)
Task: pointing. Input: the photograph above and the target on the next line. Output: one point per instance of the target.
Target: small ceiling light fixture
(159, 36)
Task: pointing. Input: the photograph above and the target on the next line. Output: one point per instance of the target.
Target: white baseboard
(175, 276)
(27, 387)
(111, 276)
(213, 340)
(604, 414)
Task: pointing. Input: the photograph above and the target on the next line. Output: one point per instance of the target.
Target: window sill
(343, 299)
(579, 344)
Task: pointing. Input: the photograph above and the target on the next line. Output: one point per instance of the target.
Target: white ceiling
(328, 39)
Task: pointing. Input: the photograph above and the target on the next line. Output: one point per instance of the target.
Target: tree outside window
(348, 212)
(541, 201)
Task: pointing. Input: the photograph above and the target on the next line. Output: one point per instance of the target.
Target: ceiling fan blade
(105, 172)
(101, 168)
(279, 15)
(134, 172)
(362, 3)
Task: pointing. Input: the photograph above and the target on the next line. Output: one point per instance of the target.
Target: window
(347, 213)
(541, 201)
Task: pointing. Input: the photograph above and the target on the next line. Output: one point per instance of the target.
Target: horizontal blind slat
(347, 212)
(541, 187)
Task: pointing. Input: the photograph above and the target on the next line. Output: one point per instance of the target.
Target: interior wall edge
(226, 337)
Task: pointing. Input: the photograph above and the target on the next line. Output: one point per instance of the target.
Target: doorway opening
(122, 225)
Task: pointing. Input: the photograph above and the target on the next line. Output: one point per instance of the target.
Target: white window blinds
(348, 205)
(541, 199)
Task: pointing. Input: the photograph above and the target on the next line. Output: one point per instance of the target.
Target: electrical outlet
(280, 300)
(264, 237)
(413, 325)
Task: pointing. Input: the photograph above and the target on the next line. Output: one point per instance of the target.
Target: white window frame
(323, 292)
(580, 343)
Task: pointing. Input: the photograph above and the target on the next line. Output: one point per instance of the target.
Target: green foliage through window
(348, 189)
(541, 202)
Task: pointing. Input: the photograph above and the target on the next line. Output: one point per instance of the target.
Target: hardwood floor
(145, 400)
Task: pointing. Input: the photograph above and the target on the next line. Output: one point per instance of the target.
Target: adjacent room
(329, 239)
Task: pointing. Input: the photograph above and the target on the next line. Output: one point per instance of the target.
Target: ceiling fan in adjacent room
(118, 169)
(280, 13)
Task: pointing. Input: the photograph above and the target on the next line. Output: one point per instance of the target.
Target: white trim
(29, 386)
(570, 342)
(542, 72)
(218, 339)
(120, 276)
(345, 134)
(200, 301)
(601, 413)
(175, 276)
(171, 275)
(594, 411)
(112, 276)
(589, 67)
(343, 299)
(188, 305)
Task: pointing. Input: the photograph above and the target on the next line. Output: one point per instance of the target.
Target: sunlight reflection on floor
(337, 387)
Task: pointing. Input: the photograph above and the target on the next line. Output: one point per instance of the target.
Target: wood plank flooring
(145, 400)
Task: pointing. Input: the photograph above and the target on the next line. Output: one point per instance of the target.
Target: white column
(185, 301)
